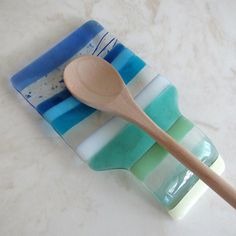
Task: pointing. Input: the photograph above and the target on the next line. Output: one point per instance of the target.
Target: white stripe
(102, 136)
(85, 128)
(49, 85)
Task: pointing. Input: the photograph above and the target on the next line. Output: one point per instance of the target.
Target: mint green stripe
(156, 153)
(132, 142)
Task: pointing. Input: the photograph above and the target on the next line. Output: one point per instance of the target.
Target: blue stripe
(58, 55)
(46, 105)
(114, 52)
(131, 68)
(61, 108)
(71, 118)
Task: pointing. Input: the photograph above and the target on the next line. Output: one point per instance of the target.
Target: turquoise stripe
(131, 142)
(131, 68)
(71, 118)
(61, 108)
(122, 58)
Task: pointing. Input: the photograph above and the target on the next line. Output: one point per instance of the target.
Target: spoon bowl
(93, 81)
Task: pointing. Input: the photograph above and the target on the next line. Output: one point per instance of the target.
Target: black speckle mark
(27, 96)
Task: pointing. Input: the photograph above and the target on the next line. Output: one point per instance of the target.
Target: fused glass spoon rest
(105, 142)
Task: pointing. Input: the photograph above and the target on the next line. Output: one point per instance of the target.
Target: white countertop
(44, 188)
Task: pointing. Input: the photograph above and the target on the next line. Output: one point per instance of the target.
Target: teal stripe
(131, 68)
(61, 108)
(131, 142)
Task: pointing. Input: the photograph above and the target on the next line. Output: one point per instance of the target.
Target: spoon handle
(214, 181)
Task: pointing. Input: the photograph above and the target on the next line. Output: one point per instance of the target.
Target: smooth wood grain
(96, 83)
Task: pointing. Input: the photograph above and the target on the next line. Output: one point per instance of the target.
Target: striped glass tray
(105, 142)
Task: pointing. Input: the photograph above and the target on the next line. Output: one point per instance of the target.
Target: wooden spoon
(96, 83)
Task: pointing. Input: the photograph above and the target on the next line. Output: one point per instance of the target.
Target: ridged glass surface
(170, 180)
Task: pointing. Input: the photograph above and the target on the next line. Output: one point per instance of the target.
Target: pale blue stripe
(61, 108)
